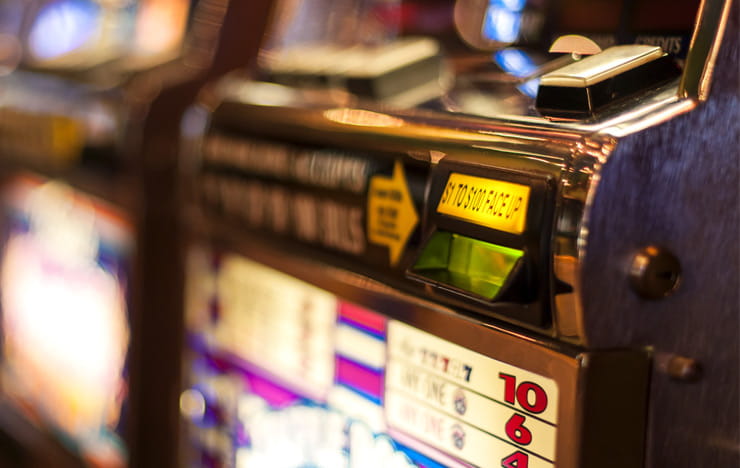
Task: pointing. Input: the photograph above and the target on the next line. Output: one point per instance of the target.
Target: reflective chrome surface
(573, 152)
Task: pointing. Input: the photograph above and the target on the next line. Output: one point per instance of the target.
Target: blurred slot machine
(91, 97)
(472, 233)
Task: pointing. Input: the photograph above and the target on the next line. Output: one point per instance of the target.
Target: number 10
(521, 393)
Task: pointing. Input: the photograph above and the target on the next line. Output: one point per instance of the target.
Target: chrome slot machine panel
(519, 185)
(289, 367)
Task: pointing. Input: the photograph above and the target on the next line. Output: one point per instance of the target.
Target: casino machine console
(472, 233)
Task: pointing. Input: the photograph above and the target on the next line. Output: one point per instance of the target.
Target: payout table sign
(482, 410)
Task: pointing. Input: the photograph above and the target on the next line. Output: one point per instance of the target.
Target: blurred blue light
(62, 27)
(530, 87)
(501, 24)
(511, 5)
(515, 62)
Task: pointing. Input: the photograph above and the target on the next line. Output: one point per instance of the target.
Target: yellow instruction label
(391, 215)
(487, 202)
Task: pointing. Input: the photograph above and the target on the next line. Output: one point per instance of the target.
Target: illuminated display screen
(160, 26)
(63, 27)
(487, 202)
(65, 332)
(84, 33)
(286, 375)
(503, 20)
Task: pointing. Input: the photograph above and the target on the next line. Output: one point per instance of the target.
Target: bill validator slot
(486, 243)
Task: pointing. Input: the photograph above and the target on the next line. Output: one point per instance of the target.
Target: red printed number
(529, 395)
(516, 460)
(516, 431)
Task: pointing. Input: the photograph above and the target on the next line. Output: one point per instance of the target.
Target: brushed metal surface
(677, 185)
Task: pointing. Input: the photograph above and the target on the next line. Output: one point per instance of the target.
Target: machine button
(584, 87)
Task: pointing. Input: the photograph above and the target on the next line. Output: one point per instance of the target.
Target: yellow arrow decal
(391, 215)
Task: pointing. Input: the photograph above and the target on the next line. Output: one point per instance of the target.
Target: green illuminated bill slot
(479, 267)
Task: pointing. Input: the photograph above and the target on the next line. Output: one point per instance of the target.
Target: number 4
(516, 460)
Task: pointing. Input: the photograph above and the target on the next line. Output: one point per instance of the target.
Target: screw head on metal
(678, 368)
(654, 273)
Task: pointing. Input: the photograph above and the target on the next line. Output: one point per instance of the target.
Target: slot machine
(91, 97)
(472, 233)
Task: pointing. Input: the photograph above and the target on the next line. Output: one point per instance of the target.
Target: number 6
(516, 431)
